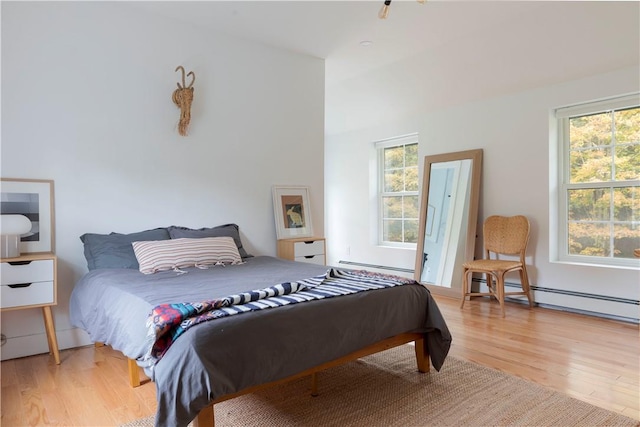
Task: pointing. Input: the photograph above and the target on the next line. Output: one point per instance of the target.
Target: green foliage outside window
(603, 195)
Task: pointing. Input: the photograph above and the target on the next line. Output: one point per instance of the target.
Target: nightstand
(303, 249)
(30, 281)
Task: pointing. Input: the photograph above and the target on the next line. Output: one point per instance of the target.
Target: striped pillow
(160, 255)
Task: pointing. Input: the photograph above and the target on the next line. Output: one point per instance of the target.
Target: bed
(228, 356)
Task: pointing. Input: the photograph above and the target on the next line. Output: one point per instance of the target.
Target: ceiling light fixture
(384, 11)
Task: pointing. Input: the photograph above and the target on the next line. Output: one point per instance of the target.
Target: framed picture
(292, 212)
(33, 199)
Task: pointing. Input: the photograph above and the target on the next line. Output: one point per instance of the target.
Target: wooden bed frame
(206, 417)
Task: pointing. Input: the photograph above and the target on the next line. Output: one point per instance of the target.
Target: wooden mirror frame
(476, 169)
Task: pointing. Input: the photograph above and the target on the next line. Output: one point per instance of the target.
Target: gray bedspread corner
(438, 336)
(111, 306)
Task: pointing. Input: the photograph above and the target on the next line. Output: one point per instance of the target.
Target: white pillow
(159, 255)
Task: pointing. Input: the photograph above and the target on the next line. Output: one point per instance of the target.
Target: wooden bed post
(134, 370)
(205, 418)
(134, 373)
(422, 355)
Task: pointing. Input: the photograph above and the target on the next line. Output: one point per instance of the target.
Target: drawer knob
(20, 285)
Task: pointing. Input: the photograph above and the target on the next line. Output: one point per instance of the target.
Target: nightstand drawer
(311, 250)
(311, 259)
(312, 247)
(34, 271)
(28, 293)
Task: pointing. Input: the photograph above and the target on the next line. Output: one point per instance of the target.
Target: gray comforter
(227, 355)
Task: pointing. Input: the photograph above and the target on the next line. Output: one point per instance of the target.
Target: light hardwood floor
(591, 359)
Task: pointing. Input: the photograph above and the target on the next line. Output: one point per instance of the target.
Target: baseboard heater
(573, 294)
(378, 267)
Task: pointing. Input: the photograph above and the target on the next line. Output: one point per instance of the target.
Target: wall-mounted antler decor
(182, 97)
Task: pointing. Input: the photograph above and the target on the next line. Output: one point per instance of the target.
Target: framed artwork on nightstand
(32, 199)
(292, 212)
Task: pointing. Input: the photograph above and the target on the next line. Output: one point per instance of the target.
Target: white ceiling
(333, 30)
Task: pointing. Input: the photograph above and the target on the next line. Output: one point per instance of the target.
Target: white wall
(513, 131)
(86, 101)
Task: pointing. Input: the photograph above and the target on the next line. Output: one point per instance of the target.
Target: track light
(384, 12)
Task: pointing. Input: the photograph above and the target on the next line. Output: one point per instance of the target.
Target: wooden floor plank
(56, 411)
(33, 407)
(12, 414)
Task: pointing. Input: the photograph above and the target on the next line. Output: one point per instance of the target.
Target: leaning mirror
(448, 218)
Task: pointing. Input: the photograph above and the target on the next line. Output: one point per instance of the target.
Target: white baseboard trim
(29, 345)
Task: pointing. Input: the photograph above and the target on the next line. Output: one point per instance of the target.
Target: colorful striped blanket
(168, 321)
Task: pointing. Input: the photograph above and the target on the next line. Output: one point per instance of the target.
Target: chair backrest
(506, 235)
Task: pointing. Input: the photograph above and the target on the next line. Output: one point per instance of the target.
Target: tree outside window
(602, 183)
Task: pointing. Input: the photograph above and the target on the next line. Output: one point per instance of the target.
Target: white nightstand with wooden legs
(30, 281)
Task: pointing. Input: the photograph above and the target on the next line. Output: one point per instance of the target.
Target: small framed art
(292, 212)
(33, 199)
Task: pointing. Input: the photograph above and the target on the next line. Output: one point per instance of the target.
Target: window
(599, 182)
(398, 191)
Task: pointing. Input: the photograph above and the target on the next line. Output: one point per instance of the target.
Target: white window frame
(380, 146)
(559, 124)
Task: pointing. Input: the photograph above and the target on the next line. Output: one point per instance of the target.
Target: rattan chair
(502, 236)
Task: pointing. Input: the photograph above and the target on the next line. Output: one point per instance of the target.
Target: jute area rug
(385, 389)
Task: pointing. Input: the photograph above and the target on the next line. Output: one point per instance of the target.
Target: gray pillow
(115, 250)
(230, 230)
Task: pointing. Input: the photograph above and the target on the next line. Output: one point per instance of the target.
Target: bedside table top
(301, 239)
(30, 257)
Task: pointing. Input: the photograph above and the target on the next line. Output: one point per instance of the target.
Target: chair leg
(500, 291)
(524, 279)
(491, 286)
(465, 273)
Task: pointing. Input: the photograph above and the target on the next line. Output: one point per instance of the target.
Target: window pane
(394, 157)
(627, 162)
(394, 181)
(590, 204)
(590, 131)
(628, 125)
(411, 179)
(392, 230)
(589, 239)
(411, 155)
(626, 204)
(626, 239)
(411, 207)
(590, 165)
(411, 231)
(392, 207)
